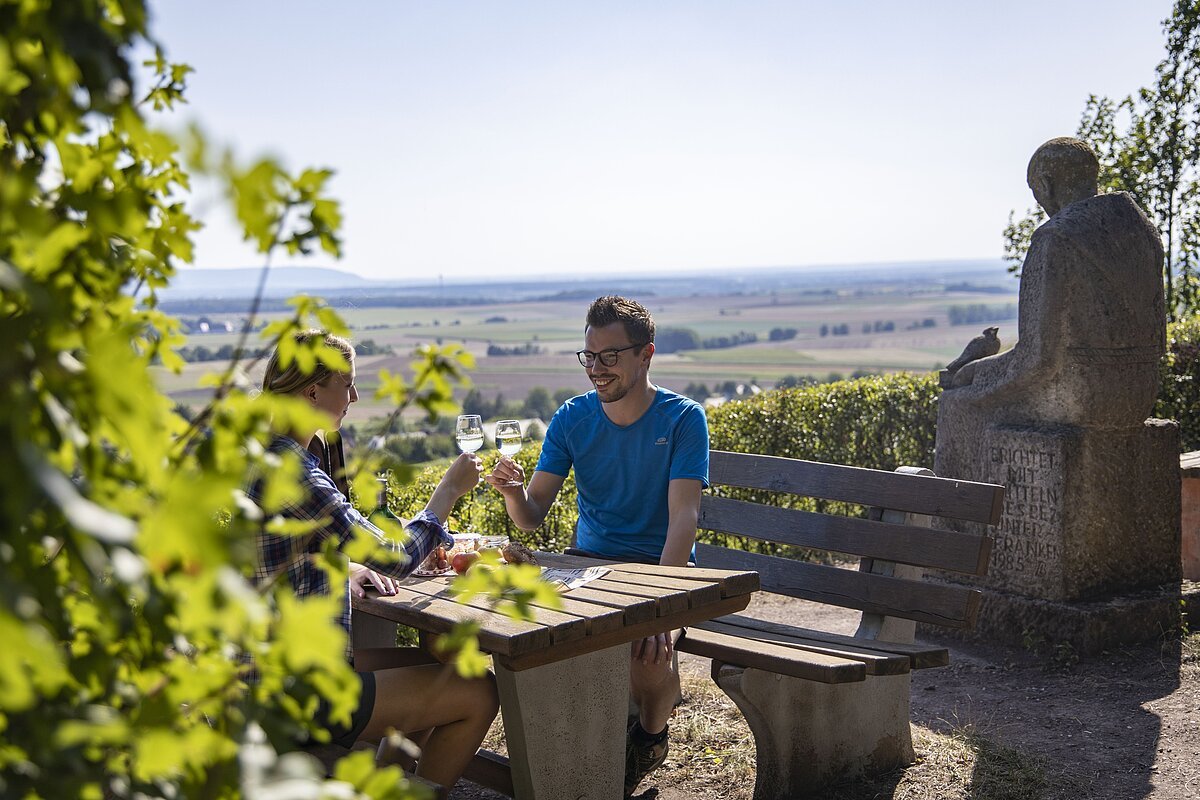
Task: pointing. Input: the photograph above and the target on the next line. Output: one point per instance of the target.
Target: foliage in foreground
(125, 564)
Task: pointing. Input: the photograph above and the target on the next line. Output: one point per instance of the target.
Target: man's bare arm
(683, 505)
(526, 505)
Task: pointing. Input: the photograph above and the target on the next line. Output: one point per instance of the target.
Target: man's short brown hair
(633, 316)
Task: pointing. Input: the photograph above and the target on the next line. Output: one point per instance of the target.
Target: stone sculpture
(1092, 508)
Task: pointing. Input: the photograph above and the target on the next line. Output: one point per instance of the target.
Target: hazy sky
(498, 138)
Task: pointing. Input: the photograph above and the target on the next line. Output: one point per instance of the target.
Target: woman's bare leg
(459, 712)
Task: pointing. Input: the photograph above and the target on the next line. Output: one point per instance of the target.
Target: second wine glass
(508, 436)
(508, 440)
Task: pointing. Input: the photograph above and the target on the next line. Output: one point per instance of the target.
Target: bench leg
(810, 734)
(565, 726)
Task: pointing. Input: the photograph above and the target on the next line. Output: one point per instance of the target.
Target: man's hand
(361, 576)
(507, 474)
(656, 649)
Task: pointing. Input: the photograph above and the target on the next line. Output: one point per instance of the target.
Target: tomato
(463, 561)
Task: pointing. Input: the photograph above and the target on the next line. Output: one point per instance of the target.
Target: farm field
(921, 338)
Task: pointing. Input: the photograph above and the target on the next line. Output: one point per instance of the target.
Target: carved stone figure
(982, 346)
(1092, 326)
(1090, 529)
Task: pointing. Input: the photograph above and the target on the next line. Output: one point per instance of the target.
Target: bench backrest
(895, 532)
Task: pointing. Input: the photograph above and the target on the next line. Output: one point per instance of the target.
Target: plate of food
(436, 563)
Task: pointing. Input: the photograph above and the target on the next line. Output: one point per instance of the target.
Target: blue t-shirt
(622, 473)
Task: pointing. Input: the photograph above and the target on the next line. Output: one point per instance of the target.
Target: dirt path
(1122, 726)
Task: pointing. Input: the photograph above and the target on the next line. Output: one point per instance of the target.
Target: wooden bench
(823, 706)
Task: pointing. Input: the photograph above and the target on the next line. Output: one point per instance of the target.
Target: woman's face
(335, 395)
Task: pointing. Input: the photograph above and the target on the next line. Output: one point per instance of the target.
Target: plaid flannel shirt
(323, 501)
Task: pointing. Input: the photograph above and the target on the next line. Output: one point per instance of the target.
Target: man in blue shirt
(640, 455)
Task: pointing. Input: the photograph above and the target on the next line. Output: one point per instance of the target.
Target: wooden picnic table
(564, 677)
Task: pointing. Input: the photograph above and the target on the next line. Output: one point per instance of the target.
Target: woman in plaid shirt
(401, 688)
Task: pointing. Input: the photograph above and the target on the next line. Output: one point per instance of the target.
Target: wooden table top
(630, 602)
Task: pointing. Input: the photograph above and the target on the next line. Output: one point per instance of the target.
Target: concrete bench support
(575, 737)
(810, 734)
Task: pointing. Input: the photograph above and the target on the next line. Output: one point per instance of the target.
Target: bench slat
(906, 544)
(771, 657)
(921, 656)
(917, 494)
(935, 603)
(876, 661)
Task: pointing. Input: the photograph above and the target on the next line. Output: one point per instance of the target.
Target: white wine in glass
(468, 433)
(508, 440)
(508, 436)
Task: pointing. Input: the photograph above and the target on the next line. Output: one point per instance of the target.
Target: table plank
(666, 601)
(633, 609)
(731, 582)
(497, 633)
(728, 605)
(563, 627)
(699, 592)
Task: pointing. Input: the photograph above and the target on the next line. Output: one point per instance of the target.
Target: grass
(1190, 648)
(712, 756)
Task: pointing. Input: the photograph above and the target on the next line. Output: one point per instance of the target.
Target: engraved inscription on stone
(1027, 552)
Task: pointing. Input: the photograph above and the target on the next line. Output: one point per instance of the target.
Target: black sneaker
(641, 760)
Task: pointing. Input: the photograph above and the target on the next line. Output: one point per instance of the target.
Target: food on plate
(517, 553)
(442, 563)
(463, 561)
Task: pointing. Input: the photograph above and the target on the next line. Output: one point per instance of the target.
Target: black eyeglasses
(607, 357)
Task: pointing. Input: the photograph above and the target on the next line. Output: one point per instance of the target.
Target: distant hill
(242, 282)
(200, 290)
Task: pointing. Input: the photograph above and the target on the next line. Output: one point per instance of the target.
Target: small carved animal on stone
(982, 346)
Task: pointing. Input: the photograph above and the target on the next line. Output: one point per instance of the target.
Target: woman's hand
(463, 475)
(361, 576)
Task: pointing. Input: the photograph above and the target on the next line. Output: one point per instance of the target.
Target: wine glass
(508, 440)
(508, 436)
(468, 432)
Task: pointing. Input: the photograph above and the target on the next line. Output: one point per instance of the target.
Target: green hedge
(1179, 397)
(880, 422)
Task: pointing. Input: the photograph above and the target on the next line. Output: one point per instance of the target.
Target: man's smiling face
(613, 383)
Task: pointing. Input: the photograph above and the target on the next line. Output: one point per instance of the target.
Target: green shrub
(880, 422)
(1179, 397)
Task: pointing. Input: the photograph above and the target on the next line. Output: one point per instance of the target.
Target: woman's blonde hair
(293, 380)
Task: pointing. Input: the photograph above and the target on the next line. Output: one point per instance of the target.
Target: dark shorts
(341, 734)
